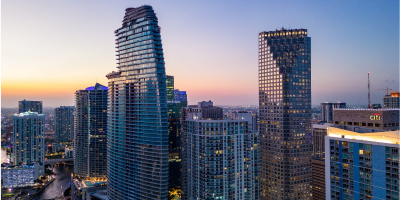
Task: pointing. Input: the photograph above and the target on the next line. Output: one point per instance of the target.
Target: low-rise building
(391, 101)
(69, 152)
(14, 176)
(82, 187)
(382, 119)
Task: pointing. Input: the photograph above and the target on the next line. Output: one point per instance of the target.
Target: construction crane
(387, 90)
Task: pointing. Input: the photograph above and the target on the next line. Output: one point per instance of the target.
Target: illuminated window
(361, 152)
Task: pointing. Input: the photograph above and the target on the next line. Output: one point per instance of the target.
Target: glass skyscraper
(170, 88)
(90, 143)
(64, 127)
(285, 114)
(137, 112)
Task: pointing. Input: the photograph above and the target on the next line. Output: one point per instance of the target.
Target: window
(361, 152)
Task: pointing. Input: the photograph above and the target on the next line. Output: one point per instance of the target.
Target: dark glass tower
(285, 114)
(137, 112)
(64, 124)
(90, 142)
(170, 88)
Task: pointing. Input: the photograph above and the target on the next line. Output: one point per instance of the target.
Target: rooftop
(29, 113)
(388, 137)
(368, 109)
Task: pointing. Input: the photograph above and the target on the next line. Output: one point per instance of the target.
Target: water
(63, 178)
(3, 155)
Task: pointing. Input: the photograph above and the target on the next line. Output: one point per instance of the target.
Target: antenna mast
(369, 105)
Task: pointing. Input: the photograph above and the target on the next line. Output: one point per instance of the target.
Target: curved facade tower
(137, 112)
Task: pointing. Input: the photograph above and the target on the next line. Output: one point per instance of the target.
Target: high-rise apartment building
(32, 106)
(362, 163)
(220, 156)
(64, 124)
(28, 138)
(170, 88)
(327, 110)
(285, 114)
(90, 138)
(138, 146)
(392, 100)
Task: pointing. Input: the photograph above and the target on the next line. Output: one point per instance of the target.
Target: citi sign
(376, 116)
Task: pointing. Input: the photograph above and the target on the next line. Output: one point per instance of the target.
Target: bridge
(54, 161)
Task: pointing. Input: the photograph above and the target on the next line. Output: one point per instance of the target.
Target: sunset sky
(50, 49)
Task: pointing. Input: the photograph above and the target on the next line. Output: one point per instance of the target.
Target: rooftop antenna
(369, 105)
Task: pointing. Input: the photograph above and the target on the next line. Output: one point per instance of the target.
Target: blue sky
(50, 49)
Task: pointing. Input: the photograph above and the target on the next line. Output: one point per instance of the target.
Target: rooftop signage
(376, 116)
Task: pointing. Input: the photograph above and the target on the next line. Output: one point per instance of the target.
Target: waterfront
(63, 178)
(3, 155)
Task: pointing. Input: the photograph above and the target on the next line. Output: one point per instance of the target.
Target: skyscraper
(285, 113)
(221, 156)
(170, 88)
(174, 133)
(137, 112)
(33, 106)
(90, 138)
(28, 138)
(64, 127)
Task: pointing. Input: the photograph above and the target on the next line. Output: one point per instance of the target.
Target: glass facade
(170, 88)
(64, 127)
(91, 132)
(285, 114)
(137, 155)
(180, 95)
(28, 138)
(174, 132)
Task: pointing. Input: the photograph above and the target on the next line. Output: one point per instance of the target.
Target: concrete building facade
(32, 106)
(361, 164)
(382, 119)
(221, 157)
(28, 138)
(391, 101)
(327, 110)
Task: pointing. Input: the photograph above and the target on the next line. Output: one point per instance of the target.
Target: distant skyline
(50, 49)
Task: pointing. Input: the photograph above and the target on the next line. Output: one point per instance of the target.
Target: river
(63, 178)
